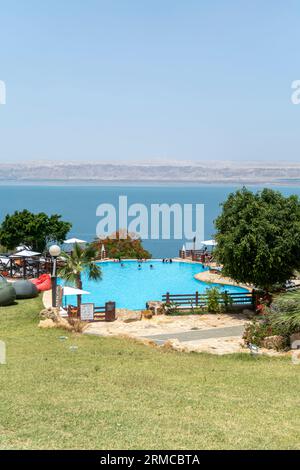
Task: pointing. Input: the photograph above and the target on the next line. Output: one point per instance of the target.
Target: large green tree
(122, 245)
(258, 237)
(36, 230)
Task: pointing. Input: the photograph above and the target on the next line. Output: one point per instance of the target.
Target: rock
(156, 306)
(175, 345)
(130, 316)
(48, 323)
(52, 313)
(148, 314)
(273, 342)
(295, 340)
(63, 323)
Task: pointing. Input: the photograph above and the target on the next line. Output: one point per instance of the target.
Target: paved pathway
(196, 335)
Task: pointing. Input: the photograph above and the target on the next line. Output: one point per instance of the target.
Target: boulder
(295, 340)
(175, 345)
(25, 289)
(48, 323)
(64, 323)
(156, 306)
(52, 313)
(130, 316)
(273, 342)
(148, 314)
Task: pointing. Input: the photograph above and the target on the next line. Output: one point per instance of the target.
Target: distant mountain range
(168, 172)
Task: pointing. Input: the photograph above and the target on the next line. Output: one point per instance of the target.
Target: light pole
(194, 248)
(54, 251)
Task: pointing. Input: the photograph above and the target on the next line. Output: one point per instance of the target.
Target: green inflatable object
(25, 289)
(7, 294)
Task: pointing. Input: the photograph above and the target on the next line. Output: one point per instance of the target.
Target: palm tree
(80, 259)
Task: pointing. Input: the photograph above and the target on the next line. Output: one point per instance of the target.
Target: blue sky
(149, 80)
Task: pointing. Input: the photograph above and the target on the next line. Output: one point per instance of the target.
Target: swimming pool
(131, 287)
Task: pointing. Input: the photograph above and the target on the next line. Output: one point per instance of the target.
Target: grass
(117, 394)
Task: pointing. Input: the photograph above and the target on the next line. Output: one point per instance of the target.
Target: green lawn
(114, 393)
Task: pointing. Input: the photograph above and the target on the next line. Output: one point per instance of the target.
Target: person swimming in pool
(151, 266)
(139, 266)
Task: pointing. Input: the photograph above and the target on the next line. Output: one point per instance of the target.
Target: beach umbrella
(25, 254)
(74, 240)
(70, 291)
(209, 242)
(74, 291)
(183, 248)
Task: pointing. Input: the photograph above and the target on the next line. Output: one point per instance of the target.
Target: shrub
(285, 313)
(227, 301)
(214, 298)
(77, 325)
(256, 331)
(170, 308)
(281, 319)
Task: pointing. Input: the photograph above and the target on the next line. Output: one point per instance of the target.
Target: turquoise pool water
(131, 287)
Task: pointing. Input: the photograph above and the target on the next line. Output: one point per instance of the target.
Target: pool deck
(214, 278)
(218, 334)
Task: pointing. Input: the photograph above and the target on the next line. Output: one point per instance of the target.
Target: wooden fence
(106, 313)
(200, 300)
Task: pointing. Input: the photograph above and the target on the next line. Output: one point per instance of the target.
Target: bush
(170, 308)
(213, 300)
(227, 301)
(285, 313)
(122, 245)
(257, 331)
(281, 319)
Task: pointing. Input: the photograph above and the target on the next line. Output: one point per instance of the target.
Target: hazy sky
(149, 79)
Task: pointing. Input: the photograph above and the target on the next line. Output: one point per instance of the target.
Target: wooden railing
(200, 300)
(106, 313)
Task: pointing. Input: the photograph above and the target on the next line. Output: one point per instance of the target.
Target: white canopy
(25, 254)
(74, 291)
(209, 242)
(74, 240)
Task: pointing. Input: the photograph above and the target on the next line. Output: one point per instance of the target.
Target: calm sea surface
(78, 204)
